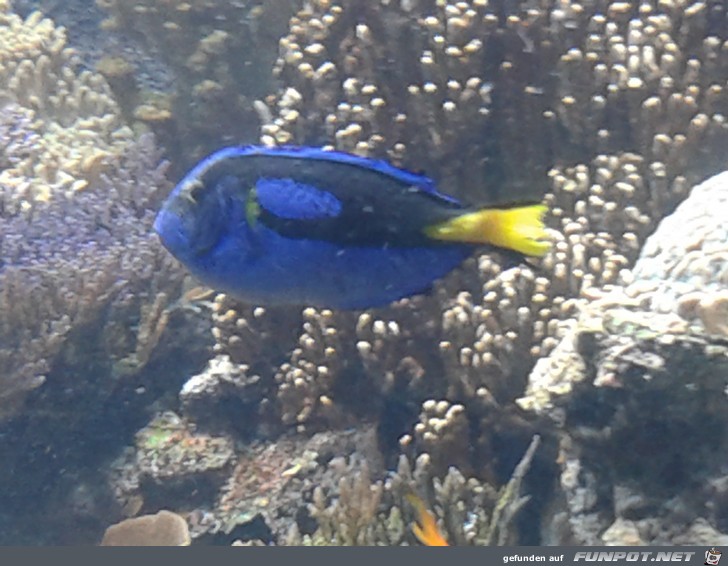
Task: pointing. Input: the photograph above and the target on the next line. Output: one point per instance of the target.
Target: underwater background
(578, 399)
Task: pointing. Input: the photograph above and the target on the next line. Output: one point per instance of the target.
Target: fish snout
(171, 231)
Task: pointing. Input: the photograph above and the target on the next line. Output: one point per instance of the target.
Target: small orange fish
(425, 527)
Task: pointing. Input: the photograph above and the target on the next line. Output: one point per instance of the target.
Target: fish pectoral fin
(292, 200)
(519, 229)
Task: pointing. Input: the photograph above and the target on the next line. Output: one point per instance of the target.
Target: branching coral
(440, 83)
(85, 295)
(82, 263)
(630, 99)
(61, 129)
(78, 196)
(375, 513)
(679, 276)
(414, 81)
(353, 518)
(221, 55)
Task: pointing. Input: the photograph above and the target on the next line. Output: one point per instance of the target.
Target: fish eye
(196, 191)
(192, 191)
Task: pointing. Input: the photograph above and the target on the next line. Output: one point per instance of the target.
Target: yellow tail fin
(520, 229)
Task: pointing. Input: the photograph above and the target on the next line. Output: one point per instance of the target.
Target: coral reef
(639, 399)
(452, 79)
(624, 104)
(88, 296)
(472, 513)
(459, 79)
(439, 373)
(625, 110)
(641, 378)
(610, 111)
(221, 56)
(678, 280)
(314, 490)
(605, 198)
(60, 128)
(257, 492)
(417, 82)
(89, 307)
(79, 194)
(79, 263)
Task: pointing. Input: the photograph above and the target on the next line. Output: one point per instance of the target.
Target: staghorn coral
(220, 55)
(352, 519)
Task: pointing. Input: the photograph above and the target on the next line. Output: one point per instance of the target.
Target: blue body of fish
(304, 226)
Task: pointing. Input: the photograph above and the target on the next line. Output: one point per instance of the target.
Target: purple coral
(73, 262)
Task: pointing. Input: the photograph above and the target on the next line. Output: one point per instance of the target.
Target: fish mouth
(184, 233)
(169, 228)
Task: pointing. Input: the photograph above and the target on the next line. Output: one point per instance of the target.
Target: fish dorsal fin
(292, 200)
(422, 182)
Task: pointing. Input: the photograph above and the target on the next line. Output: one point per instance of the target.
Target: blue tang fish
(304, 226)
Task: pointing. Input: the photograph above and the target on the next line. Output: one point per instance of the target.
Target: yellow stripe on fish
(252, 208)
(520, 229)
